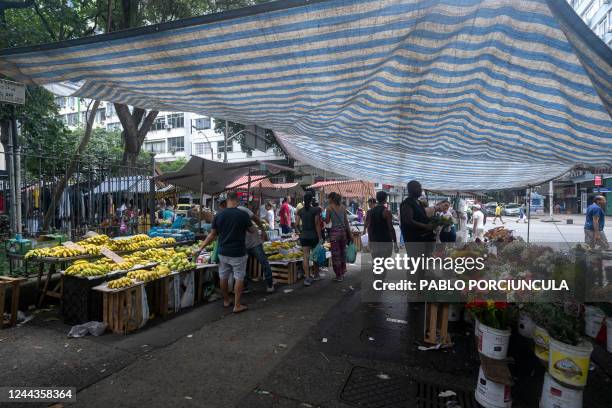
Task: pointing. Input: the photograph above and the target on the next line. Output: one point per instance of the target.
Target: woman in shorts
(308, 223)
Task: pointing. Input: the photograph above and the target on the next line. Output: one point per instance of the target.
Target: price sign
(12, 92)
(72, 245)
(111, 255)
(598, 181)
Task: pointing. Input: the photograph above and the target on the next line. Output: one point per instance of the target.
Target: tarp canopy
(261, 185)
(215, 175)
(346, 188)
(460, 94)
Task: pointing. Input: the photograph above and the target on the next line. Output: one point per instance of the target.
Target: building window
(176, 144)
(176, 120)
(110, 110)
(221, 147)
(159, 124)
(72, 119)
(100, 115)
(202, 148)
(60, 101)
(71, 102)
(277, 180)
(156, 147)
(201, 123)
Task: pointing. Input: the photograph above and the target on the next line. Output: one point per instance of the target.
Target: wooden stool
(122, 312)
(436, 323)
(14, 283)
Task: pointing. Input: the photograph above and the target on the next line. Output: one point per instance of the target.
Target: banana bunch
(161, 270)
(142, 276)
(55, 252)
(84, 268)
(95, 240)
(123, 266)
(91, 249)
(120, 283)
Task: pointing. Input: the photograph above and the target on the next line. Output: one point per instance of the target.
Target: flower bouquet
(490, 313)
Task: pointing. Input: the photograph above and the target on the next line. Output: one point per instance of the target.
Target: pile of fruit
(55, 252)
(286, 257)
(93, 245)
(179, 262)
(120, 283)
(84, 268)
(276, 246)
(146, 276)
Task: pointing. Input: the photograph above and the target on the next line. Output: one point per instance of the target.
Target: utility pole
(225, 138)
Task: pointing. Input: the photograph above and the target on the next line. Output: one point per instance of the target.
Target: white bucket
(541, 340)
(609, 334)
(490, 394)
(555, 395)
(454, 312)
(568, 364)
(493, 343)
(526, 325)
(593, 320)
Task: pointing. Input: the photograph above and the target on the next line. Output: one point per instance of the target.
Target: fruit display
(147, 276)
(120, 283)
(179, 262)
(84, 268)
(55, 252)
(93, 245)
(276, 246)
(286, 257)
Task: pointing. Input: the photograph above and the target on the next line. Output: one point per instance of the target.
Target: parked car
(182, 209)
(511, 210)
(490, 208)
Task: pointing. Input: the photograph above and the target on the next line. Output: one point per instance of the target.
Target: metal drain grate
(368, 388)
(427, 397)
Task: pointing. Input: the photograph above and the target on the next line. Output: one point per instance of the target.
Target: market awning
(243, 182)
(261, 185)
(215, 175)
(462, 95)
(346, 188)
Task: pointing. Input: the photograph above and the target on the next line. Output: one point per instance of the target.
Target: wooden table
(14, 283)
(122, 308)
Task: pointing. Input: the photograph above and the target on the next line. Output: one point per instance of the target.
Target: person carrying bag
(340, 234)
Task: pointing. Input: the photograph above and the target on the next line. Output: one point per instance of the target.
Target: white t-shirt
(478, 219)
(270, 218)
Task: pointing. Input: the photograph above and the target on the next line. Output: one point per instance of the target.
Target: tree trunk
(61, 185)
(134, 132)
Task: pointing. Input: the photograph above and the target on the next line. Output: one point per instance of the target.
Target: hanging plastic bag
(214, 256)
(351, 253)
(318, 255)
(364, 241)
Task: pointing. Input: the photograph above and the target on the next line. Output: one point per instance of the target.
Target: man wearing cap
(230, 226)
(594, 234)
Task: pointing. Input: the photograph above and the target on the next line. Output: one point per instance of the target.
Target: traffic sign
(12, 92)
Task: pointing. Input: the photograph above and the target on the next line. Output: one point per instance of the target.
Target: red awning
(346, 188)
(244, 182)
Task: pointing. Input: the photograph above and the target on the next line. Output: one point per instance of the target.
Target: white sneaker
(270, 289)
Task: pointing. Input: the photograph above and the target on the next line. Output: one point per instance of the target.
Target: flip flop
(244, 309)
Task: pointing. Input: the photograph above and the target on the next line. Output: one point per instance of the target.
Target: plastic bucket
(454, 312)
(568, 364)
(609, 334)
(593, 320)
(493, 343)
(526, 325)
(490, 394)
(555, 395)
(541, 338)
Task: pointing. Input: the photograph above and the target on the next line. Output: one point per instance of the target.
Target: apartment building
(597, 14)
(173, 135)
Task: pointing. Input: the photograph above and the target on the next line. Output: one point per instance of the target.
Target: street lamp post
(212, 157)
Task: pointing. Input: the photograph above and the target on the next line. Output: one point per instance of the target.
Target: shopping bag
(214, 256)
(364, 240)
(318, 255)
(351, 253)
(322, 256)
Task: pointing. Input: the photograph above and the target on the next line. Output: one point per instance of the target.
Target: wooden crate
(436, 323)
(254, 269)
(122, 311)
(13, 283)
(285, 272)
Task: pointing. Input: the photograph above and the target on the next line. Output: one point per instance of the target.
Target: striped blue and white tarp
(460, 94)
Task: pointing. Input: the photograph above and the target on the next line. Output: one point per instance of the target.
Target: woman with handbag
(339, 234)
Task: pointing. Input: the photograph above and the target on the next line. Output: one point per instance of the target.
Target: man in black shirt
(380, 229)
(414, 222)
(230, 226)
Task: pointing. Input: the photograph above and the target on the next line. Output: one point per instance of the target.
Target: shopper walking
(595, 222)
(371, 204)
(522, 214)
(414, 222)
(381, 234)
(498, 214)
(254, 247)
(231, 226)
(285, 216)
(308, 223)
(478, 226)
(338, 234)
(270, 217)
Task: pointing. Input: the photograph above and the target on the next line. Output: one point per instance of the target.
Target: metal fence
(102, 195)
